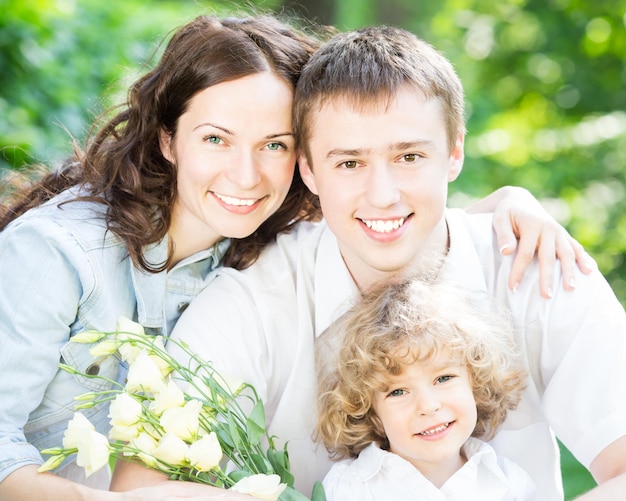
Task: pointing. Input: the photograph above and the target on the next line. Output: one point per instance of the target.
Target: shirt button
(93, 369)
(182, 306)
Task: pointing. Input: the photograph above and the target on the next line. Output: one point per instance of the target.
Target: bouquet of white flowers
(201, 434)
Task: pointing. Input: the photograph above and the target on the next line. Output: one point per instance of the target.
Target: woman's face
(235, 159)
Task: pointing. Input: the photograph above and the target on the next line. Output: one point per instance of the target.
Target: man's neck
(427, 262)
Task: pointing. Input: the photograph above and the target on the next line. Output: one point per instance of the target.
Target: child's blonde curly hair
(404, 322)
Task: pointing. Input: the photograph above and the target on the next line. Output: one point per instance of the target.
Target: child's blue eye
(396, 393)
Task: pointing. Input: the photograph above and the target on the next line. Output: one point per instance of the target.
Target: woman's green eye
(274, 146)
(214, 139)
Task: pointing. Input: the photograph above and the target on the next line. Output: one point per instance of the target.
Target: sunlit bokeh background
(545, 82)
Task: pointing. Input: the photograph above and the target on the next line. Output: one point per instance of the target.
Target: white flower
(124, 433)
(145, 445)
(77, 428)
(126, 325)
(183, 421)
(261, 486)
(51, 463)
(168, 397)
(206, 453)
(126, 328)
(172, 450)
(154, 351)
(125, 410)
(93, 452)
(230, 383)
(105, 348)
(87, 337)
(144, 375)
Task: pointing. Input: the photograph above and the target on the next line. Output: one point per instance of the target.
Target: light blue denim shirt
(61, 272)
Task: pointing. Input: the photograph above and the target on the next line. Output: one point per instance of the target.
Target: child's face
(428, 412)
(382, 176)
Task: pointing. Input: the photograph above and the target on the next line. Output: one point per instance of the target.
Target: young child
(421, 376)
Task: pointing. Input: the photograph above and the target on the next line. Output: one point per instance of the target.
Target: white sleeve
(221, 325)
(583, 365)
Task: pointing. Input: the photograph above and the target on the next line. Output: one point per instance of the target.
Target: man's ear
(306, 173)
(456, 158)
(165, 143)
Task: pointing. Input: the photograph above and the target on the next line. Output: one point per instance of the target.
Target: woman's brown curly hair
(123, 166)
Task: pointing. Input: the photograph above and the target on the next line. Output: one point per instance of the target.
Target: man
(379, 122)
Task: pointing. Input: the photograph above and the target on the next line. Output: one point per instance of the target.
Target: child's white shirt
(381, 475)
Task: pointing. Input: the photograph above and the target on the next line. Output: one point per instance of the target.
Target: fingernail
(504, 247)
(572, 282)
(550, 293)
(515, 286)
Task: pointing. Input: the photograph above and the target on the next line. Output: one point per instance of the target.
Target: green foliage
(65, 62)
(545, 82)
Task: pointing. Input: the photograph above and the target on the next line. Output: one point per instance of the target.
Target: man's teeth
(235, 201)
(384, 226)
(432, 431)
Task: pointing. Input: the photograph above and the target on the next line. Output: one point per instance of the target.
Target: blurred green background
(545, 82)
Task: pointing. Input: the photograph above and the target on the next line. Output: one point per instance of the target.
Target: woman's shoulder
(64, 221)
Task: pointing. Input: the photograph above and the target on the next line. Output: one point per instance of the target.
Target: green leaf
(255, 424)
(280, 463)
(223, 434)
(262, 464)
(290, 494)
(318, 492)
(237, 475)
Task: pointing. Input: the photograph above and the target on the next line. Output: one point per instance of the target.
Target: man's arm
(609, 470)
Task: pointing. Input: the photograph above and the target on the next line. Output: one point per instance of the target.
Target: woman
(202, 153)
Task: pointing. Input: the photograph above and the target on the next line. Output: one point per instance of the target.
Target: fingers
(585, 262)
(546, 255)
(566, 253)
(507, 241)
(525, 254)
(550, 244)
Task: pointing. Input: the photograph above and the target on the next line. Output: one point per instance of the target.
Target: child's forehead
(435, 356)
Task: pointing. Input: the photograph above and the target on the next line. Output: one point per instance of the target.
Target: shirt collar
(150, 288)
(462, 265)
(334, 287)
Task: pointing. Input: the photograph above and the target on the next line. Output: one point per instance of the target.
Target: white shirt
(380, 475)
(260, 325)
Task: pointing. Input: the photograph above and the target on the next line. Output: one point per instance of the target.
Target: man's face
(382, 173)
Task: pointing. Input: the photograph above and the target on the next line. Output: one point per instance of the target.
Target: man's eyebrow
(402, 145)
(338, 152)
(407, 145)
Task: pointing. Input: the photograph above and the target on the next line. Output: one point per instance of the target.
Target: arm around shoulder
(609, 470)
